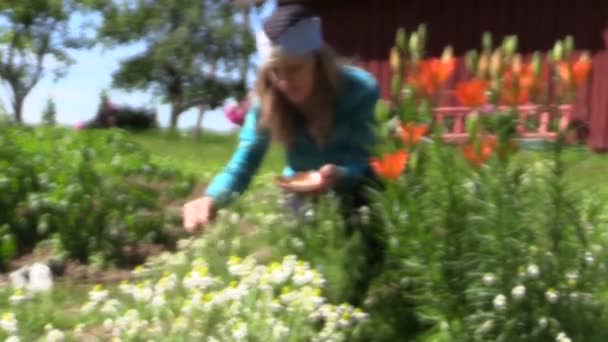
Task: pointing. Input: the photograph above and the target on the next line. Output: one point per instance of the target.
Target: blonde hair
(276, 113)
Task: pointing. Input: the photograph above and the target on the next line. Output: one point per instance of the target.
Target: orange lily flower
(580, 70)
(431, 75)
(574, 74)
(516, 88)
(513, 97)
(472, 93)
(411, 134)
(477, 155)
(563, 70)
(390, 166)
(539, 82)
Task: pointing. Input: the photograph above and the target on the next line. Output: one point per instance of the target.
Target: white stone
(40, 278)
(19, 278)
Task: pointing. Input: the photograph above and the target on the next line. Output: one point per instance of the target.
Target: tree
(49, 114)
(188, 45)
(35, 38)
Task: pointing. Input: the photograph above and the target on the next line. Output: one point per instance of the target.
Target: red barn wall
(364, 30)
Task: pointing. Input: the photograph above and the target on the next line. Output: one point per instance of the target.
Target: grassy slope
(204, 157)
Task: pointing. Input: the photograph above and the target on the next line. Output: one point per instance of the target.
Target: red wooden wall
(364, 30)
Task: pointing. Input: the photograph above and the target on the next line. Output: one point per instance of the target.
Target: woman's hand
(198, 213)
(327, 177)
(330, 176)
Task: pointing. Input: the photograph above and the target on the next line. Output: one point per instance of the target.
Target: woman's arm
(245, 161)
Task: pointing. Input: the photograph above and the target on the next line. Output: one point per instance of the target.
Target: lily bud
(486, 42)
(414, 44)
(383, 111)
(472, 124)
(422, 35)
(510, 45)
(483, 65)
(558, 52)
(536, 64)
(401, 40)
(395, 60)
(496, 63)
(471, 60)
(568, 45)
(448, 54)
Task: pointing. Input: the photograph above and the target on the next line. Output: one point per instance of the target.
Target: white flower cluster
(270, 302)
(8, 323)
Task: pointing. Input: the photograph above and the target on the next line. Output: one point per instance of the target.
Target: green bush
(98, 190)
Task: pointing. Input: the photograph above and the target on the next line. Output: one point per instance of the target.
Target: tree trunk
(198, 129)
(175, 111)
(18, 108)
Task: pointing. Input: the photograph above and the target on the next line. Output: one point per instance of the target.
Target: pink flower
(236, 113)
(79, 125)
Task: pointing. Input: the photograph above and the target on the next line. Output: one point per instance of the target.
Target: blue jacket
(348, 147)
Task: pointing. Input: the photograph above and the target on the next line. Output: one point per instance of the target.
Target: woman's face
(294, 77)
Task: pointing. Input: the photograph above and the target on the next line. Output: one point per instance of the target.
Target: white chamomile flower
(518, 292)
(98, 294)
(589, 259)
(12, 339)
(241, 268)
(309, 215)
(18, 296)
(500, 302)
(125, 287)
(302, 276)
(88, 307)
(275, 305)
(139, 270)
(54, 335)
(166, 283)
(562, 337)
(279, 331)
(110, 307)
(543, 322)
(552, 295)
(108, 324)
(234, 218)
(9, 323)
(359, 315)
(344, 320)
(198, 278)
(488, 279)
(159, 301)
(239, 331)
(533, 271)
(278, 274)
(142, 292)
(572, 275)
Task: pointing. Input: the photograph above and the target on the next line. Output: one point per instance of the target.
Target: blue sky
(77, 94)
